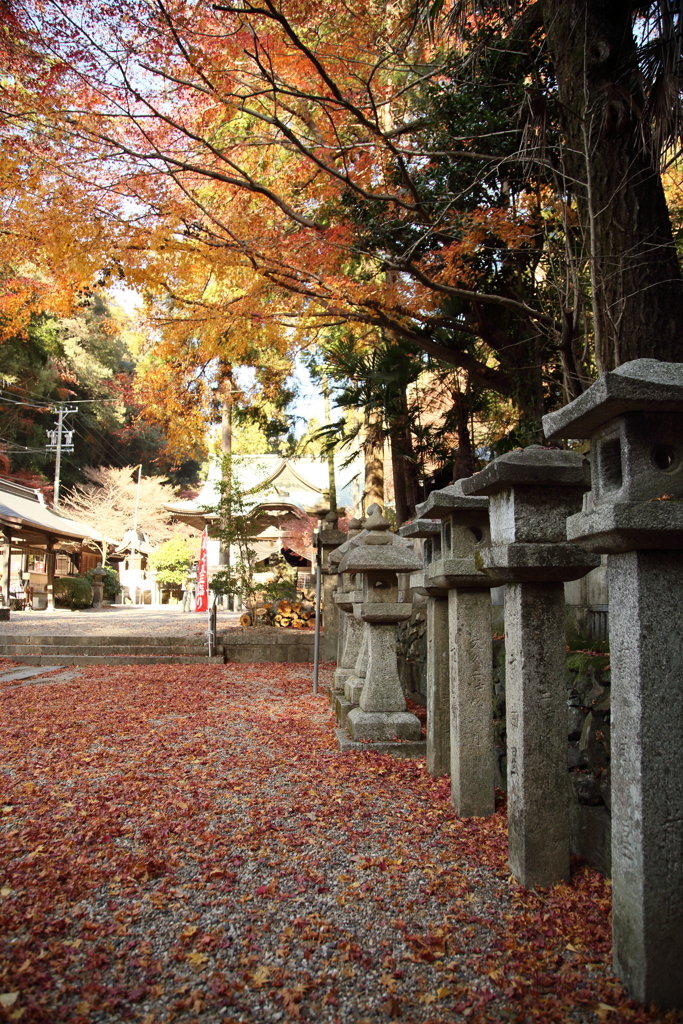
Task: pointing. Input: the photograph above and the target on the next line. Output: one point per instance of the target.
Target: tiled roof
(22, 508)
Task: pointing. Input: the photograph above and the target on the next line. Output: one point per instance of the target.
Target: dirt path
(185, 844)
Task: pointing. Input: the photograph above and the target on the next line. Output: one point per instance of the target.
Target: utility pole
(59, 440)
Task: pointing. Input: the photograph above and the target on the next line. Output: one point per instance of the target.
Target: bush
(110, 580)
(172, 561)
(283, 583)
(73, 592)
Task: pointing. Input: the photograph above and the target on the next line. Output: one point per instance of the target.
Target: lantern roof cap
(420, 528)
(535, 466)
(642, 385)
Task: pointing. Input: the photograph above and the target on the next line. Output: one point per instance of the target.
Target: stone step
(114, 650)
(295, 638)
(99, 639)
(122, 659)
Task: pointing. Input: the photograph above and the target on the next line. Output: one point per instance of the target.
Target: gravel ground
(114, 620)
(185, 844)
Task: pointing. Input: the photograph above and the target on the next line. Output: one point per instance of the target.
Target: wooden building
(39, 544)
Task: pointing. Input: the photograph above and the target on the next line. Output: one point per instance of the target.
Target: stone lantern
(350, 628)
(531, 492)
(381, 716)
(465, 533)
(634, 513)
(327, 538)
(438, 685)
(98, 575)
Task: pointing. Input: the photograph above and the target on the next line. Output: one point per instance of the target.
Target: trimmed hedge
(73, 592)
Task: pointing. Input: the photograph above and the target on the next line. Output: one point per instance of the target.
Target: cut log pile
(296, 614)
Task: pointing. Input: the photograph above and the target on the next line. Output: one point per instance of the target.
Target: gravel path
(113, 620)
(184, 844)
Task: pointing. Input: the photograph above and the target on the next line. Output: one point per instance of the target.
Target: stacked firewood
(295, 614)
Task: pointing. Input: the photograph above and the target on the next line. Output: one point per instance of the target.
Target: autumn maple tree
(268, 171)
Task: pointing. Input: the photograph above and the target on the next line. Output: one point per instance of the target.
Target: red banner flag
(202, 595)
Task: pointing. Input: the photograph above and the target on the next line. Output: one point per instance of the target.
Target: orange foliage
(211, 154)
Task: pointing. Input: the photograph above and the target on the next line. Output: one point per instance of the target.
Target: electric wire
(20, 449)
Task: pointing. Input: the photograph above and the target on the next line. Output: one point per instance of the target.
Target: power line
(19, 449)
(41, 408)
(105, 442)
(16, 387)
(53, 401)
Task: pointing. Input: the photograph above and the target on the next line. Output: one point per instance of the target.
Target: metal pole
(316, 649)
(58, 458)
(135, 530)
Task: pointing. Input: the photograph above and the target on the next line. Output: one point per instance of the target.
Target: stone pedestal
(438, 688)
(464, 531)
(353, 637)
(438, 673)
(330, 619)
(470, 652)
(531, 493)
(98, 586)
(353, 687)
(5, 562)
(536, 720)
(50, 568)
(646, 639)
(349, 632)
(634, 513)
(381, 716)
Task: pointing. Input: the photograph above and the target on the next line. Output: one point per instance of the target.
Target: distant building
(38, 545)
(285, 493)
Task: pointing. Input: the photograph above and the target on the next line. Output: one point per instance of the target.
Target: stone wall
(411, 650)
(267, 644)
(588, 748)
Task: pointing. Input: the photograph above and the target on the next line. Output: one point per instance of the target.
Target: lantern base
(353, 687)
(341, 710)
(383, 725)
(405, 748)
(340, 677)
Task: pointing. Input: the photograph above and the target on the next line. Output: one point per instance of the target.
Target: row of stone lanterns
(368, 696)
(530, 522)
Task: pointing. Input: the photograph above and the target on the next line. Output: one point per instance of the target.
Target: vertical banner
(202, 596)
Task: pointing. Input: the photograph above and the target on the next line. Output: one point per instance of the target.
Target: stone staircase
(109, 650)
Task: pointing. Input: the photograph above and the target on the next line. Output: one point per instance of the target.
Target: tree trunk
(226, 438)
(412, 483)
(374, 464)
(464, 460)
(374, 479)
(226, 410)
(404, 465)
(400, 497)
(635, 276)
(330, 455)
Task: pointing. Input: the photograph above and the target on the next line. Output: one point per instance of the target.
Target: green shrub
(73, 592)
